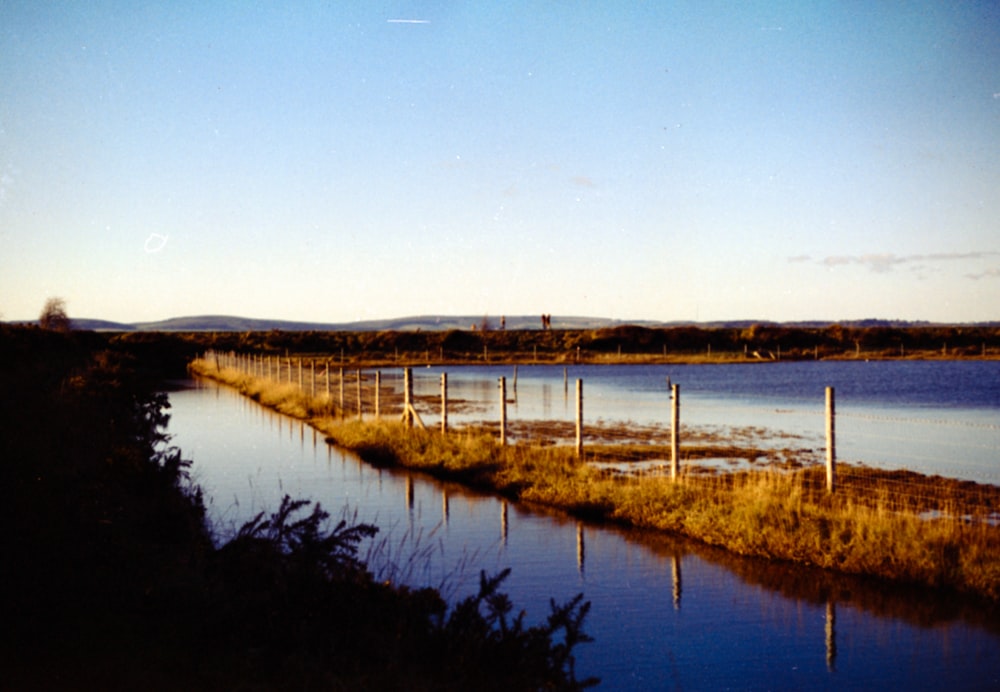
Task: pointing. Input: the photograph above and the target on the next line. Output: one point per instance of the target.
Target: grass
(941, 533)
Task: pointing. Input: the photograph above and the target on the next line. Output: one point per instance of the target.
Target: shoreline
(773, 514)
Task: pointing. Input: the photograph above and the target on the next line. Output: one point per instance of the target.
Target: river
(666, 613)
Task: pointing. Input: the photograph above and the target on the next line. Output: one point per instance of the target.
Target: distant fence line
(291, 371)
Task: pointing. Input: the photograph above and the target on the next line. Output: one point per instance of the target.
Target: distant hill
(232, 323)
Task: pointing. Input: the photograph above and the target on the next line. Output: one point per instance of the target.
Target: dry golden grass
(864, 528)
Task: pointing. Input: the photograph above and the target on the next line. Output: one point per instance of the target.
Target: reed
(769, 513)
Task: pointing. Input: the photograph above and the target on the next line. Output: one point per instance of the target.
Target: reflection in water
(503, 521)
(675, 569)
(745, 623)
(831, 636)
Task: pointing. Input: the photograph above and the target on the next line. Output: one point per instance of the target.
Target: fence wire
(928, 465)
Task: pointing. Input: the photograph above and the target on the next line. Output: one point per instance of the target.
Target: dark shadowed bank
(114, 580)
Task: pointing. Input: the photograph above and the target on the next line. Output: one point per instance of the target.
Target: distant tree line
(835, 341)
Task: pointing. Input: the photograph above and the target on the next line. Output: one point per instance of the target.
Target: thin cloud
(799, 258)
(583, 181)
(408, 21)
(885, 262)
(993, 273)
(876, 262)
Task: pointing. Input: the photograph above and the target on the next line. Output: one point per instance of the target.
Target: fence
(691, 441)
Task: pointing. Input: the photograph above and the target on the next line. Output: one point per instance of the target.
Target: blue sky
(671, 161)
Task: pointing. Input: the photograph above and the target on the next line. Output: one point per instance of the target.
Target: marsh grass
(940, 532)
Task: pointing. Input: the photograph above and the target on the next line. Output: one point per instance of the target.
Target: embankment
(779, 515)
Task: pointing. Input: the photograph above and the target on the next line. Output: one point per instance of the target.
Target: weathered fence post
(326, 376)
(341, 392)
(359, 394)
(503, 411)
(579, 417)
(378, 389)
(675, 423)
(444, 402)
(831, 447)
(300, 376)
(408, 397)
(312, 378)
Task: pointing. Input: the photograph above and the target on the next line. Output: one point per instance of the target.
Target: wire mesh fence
(921, 458)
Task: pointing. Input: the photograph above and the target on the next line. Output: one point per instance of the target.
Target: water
(934, 417)
(666, 613)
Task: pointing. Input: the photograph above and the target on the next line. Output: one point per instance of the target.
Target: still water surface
(935, 417)
(666, 613)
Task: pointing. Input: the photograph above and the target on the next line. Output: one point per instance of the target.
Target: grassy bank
(780, 515)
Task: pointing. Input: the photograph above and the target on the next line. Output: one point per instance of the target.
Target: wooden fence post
(675, 422)
(579, 417)
(341, 392)
(831, 448)
(300, 376)
(359, 394)
(444, 402)
(503, 411)
(378, 388)
(408, 397)
(312, 378)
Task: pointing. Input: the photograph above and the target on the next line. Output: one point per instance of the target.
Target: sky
(334, 161)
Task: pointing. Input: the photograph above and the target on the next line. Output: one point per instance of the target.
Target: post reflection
(675, 564)
(831, 636)
(580, 548)
(444, 505)
(503, 522)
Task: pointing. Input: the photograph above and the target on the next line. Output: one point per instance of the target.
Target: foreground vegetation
(113, 578)
(945, 540)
